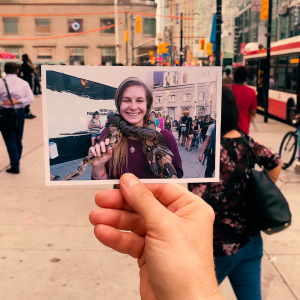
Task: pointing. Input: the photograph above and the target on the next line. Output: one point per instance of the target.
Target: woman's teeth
(132, 115)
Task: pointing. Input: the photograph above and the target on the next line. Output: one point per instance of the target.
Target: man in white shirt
(21, 95)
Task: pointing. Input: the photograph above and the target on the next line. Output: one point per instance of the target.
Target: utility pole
(267, 66)
(126, 28)
(218, 33)
(132, 38)
(181, 36)
(117, 31)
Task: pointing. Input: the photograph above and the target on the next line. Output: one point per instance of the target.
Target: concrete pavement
(39, 223)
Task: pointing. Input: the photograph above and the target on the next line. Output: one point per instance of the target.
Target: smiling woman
(133, 101)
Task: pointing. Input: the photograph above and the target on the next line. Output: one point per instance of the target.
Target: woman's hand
(171, 237)
(98, 150)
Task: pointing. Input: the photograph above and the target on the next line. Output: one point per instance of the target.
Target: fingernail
(129, 180)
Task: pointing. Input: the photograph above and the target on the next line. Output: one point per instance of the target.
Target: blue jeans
(13, 140)
(243, 269)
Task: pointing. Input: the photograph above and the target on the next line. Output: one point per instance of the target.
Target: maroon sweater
(137, 163)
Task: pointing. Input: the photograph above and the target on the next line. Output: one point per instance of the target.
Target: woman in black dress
(189, 134)
(168, 123)
(204, 127)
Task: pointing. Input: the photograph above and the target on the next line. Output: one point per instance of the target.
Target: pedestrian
(154, 116)
(95, 127)
(168, 231)
(237, 243)
(227, 79)
(133, 100)
(245, 98)
(36, 86)
(189, 133)
(135, 65)
(196, 138)
(168, 123)
(209, 147)
(161, 120)
(183, 129)
(26, 72)
(204, 127)
(21, 96)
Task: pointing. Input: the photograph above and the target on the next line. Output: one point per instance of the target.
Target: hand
(171, 237)
(8, 103)
(98, 150)
(201, 157)
(168, 157)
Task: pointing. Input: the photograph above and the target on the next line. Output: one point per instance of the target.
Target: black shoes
(30, 116)
(13, 171)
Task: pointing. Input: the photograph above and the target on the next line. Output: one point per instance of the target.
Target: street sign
(256, 6)
(151, 53)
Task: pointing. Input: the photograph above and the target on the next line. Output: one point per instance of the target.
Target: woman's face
(159, 116)
(133, 106)
(207, 119)
(97, 117)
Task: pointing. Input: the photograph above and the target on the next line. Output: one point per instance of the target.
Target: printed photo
(160, 123)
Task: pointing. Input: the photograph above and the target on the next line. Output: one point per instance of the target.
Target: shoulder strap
(8, 93)
(251, 150)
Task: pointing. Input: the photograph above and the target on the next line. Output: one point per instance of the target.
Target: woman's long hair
(230, 111)
(189, 123)
(120, 154)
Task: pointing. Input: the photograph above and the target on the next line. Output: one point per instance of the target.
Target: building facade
(50, 37)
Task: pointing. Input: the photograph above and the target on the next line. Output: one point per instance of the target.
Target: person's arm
(267, 158)
(28, 97)
(90, 125)
(178, 227)
(253, 106)
(204, 146)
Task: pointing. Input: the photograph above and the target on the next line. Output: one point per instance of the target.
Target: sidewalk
(39, 223)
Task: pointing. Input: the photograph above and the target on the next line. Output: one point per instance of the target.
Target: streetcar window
(281, 78)
(252, 67)
(272, 78)
(291, 79)
(282, 60)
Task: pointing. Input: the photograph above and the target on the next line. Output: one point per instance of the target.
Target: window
(43, 25)
(105, 23)
(254, 35)
(76, 56)
(172, 98)
(281, 78)
(254, 17)
(246, 37)
(10, 25)
(186, 98)
(291, 79)
(75, 25)
(13, 50)
(284, 27)
(108, 56)
(158, 99)
(149, 27)
(247, 18)
(274, 31)
(44, 53)
(252, 66)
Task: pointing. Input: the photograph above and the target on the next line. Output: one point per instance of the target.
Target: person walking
(189, 134)
(26, 71)
(196, 138)
(36, 86)
(168, 123)
(204, 127)
(238, 247)
(227, 79)
(21, 96)
(245, 98)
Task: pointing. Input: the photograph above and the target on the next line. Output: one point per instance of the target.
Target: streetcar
(284, 88)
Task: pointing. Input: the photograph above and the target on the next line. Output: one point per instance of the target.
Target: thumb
(143, 201)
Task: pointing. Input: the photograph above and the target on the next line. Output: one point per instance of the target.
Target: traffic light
(176, 62)
(153, 60)
(138, 24)
(165, 48)
(126, 35)
(209, 49)
(202, 44)
(264, 14)
(160, 48)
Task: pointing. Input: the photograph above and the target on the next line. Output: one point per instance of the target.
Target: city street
(48, 249)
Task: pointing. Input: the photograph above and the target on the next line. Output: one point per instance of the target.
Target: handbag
(267, 204)
(8, 116)
(191, 136)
